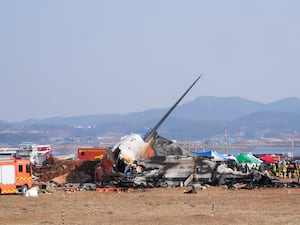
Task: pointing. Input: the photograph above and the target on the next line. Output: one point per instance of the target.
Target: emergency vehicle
(37, 154)
(15, 176)
(91, 153)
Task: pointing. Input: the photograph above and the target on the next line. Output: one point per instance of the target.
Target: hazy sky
(66, 58)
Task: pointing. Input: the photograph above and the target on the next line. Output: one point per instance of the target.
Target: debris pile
(149, 160)
(66, 171)
(168, 171)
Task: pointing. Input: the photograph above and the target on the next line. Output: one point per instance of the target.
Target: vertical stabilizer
(153, 131)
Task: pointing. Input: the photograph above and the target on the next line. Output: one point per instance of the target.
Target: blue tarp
(215, 155)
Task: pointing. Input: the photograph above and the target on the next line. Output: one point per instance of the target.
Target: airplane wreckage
(153, 161)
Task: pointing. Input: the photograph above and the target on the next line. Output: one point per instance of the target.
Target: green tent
(247, 158)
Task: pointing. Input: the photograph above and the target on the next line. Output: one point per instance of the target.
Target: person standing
(284, 170)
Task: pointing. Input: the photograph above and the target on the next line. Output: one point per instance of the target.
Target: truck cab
(15, 176)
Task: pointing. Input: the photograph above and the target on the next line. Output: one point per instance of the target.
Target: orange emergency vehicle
(91, 153)
(15, 176)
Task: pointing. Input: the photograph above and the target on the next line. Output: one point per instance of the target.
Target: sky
(72, 57)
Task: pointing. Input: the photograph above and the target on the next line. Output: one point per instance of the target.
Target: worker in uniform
(284, 169)
(245, 168)
(278, 166)
(99, 174)
(273, 169)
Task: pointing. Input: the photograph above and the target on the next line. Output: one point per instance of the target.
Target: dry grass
(214, 205)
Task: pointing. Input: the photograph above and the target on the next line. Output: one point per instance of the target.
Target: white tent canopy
(215, 155)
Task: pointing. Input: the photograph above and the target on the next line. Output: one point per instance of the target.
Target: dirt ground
(214, 205)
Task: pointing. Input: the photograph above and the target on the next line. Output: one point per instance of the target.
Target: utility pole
(226, 138)
(292, 140)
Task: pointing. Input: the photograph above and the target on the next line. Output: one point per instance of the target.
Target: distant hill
(202, 108)
(267, 123)
(204, 117)
(217, 108)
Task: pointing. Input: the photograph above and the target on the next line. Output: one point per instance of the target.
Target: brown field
(214, 205)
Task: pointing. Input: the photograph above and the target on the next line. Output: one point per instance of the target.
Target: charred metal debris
(150, 161)
(173, 167)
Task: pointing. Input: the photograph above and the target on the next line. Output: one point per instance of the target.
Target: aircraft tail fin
(153, 131)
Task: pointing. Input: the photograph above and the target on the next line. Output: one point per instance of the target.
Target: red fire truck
(15, 176)
(91, 153)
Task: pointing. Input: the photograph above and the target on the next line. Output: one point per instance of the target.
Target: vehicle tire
(24, 189)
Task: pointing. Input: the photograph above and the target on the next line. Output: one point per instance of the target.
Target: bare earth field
(214, 205)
